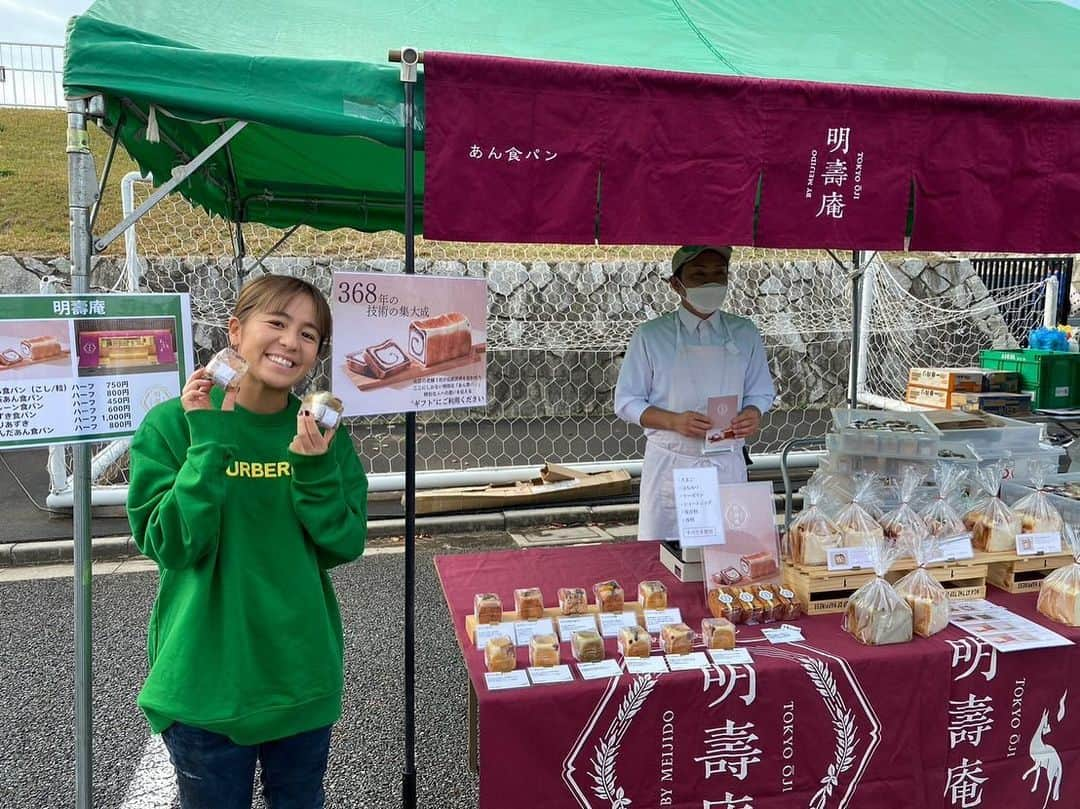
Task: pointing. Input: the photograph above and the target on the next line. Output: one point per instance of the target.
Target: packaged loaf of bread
(812, 533)
(573, 601)
(543, 651)
(587, 645)
(723, 604)
(1036, 513)
(529, 603)
(677, 639)
(609, 596)
(994, 526)
(791, 605)
(767, 595)
(928, 599)
(226, 368)
(876, 614)
(487, 608)
(941, 516)
(500, 654)
(903, 525)
(856, 521)
(1059, 596)
(754, 608)
(634, 641)
(718, 633)
(652, 595)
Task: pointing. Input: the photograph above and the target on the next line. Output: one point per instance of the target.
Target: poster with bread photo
(751, 550)
(408, 343)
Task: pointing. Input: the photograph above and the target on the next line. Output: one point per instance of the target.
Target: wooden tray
(415, 370)
(1021, 574)
(26, 363)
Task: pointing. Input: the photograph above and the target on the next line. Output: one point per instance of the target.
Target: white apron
(699, 373)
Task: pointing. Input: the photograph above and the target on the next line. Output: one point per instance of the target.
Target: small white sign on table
(731, 657)
(499, 681)
(951, 549)
(1046, 544)
(783, 634)
(697, 506)
(655, 620)
(485, 632)
(524, 630)
(849, 559)
(689, 662)
(569, 624)
(612, 622)
(543, 675)
(645, 665)
(600, 670)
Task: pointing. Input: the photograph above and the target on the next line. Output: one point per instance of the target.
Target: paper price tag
(697, 507)
(612, 622)
(498, 681)
(849, 559)
(524, 630)
(731, 657)
(598, 671)
(544, 675)
(645, 665)
(485, 632)
(783, 634)
(694, 660)
(953, 548)
(1038, 544)
(569, 624)
(655, 620)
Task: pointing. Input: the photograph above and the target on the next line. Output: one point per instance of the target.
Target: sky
(41, 22)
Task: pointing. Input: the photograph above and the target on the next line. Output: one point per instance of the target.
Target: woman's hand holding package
(309, 439)
(196, 393)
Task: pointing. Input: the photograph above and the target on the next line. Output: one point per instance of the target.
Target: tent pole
(82, 194)
(856, 328)
(409, 58)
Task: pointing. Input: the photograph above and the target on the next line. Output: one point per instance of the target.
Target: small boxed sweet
(500, 654)
(573, 601)
(928, 397)
(325, 407)
(587, 645)
(948, 379)
(226, 368)
(609, 596)
(634, 641)
(677, 639)
(652, 595)
(543, 651)
(529, 603)
(718, 633)
(487, 608)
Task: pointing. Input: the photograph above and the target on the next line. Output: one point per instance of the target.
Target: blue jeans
(214, 773)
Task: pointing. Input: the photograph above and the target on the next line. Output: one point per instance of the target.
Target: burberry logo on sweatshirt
(257, 469)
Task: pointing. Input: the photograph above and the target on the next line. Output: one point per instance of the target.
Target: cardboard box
(999, 404)
(1001, 381)
(929, 397)
(947, 379)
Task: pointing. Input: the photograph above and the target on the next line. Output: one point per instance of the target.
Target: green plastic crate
(1052, 377)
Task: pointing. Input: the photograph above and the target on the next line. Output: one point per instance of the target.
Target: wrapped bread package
(609, 596)
(500, 654)
(573, 601)
(325, 407)
(902, 526)
(529, 603)
(1059, 596)
(790, 605)
(487, 608)
(812, 533)
(441, 338)
(226, 368)
(587, 645)
(1036, 513)
(876, 614)
(722, 604)
(856, 521)
(677, 639)
(634, 641)
(754, 607)
(652, 595)
(941, 517)
(718, 633)
(543, 651)
(994, 525)
(928, 599)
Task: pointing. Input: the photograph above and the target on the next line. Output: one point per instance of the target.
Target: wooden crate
(823, 591)
(1020, 574)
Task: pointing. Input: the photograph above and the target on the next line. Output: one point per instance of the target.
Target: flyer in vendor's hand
(408, 343)
(721, 411)
(751, 551)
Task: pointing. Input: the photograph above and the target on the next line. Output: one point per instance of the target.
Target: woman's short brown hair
(272, 293)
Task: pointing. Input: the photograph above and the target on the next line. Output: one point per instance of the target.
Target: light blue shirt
(645, 376)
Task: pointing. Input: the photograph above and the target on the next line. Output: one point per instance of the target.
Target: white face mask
(707, 298)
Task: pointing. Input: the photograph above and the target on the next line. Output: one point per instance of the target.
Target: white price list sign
(697, 506)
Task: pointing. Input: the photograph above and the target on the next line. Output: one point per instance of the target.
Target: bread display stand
(1013, 573)
(416, 370)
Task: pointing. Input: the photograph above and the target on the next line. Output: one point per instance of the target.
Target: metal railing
(31, 75)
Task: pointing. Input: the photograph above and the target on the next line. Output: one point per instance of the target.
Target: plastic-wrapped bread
(325, 407)
(767, 595)
(587, 645)
(1036, 513)
(573, 601)
(609, 596)
(754, 607)
(529, 603)
(722, 605)
(718, 633)
(487, 608)
(940, 516)
(634, 641)
(1059, 596)
(856, 521)
(791, 605)
(543, 651)
(226, 368)
(876, 614)
(677, 639)
(928, 599)
(812, 533)
(441, 338)
(903, 526)
(500, 654)
(652, 595)
(994, 525)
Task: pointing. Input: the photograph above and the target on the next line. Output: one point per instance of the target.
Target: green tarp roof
(325, 106)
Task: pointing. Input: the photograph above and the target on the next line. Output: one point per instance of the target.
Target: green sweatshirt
(245, 636)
